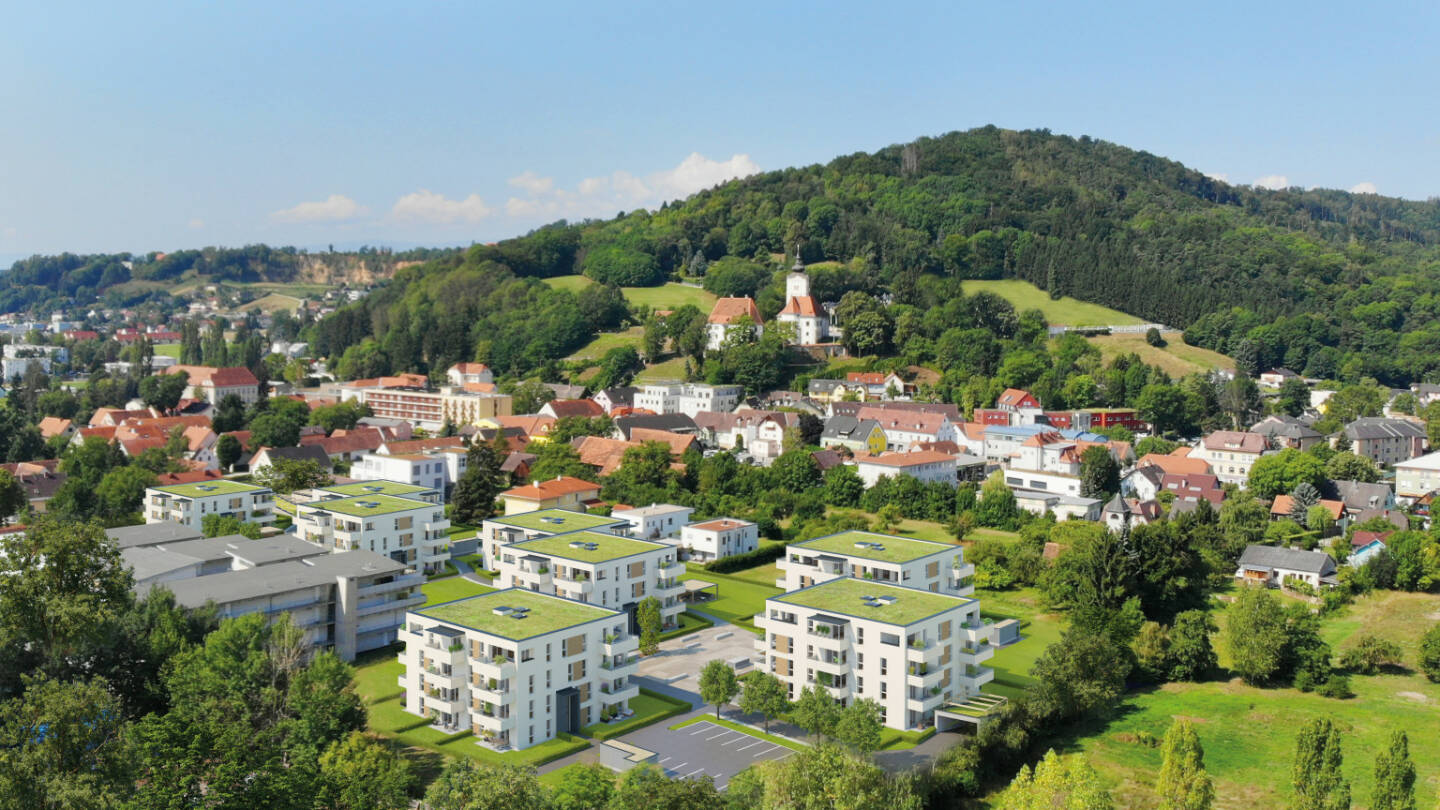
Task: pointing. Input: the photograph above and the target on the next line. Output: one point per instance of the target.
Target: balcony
(835, 665)
(918, 652)
(674, 568)
(615, 694)
(577, 582)
(668, 588)
(626, 666)
(619, 645)
(440, 700)
(925, 702)
(489, 668)
(390, 603)
(486, 694)
(975, 677)
(920, 676)
(975, 654)
(493, 722)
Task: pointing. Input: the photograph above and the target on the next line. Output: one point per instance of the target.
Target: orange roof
(718, 525)
(678, 443)
(470, 368)
(1283, 503)
(867, 377)
(532, 425)
(227, 377)
(166, 479)
(803, 305)
(106, 432)
(906, 459)
(575, 407)
(52, 426)
(1013, 397)
(197, 436)
(554, 488)
(416, 445)
(602, 453)
(1176, 465)
(728, 309)
(974, 431)
(480, 388)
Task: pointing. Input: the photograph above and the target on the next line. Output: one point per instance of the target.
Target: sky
(156, 126)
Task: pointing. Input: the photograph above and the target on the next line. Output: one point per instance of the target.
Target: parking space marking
(752, 745)
(701, 727)
(665, 760)
(766, 751)
(721, 734)
(697, 770)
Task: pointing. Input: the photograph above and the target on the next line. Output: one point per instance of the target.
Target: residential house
(1417, 477)
(1231, 454)
(926, 466)
(1365, 545)
(572, 408)
(727, 316)
(1386, 441)
(687, 398)
(265, 457)
(1283, 505)
(620, 396)
(1064, 507)
(1142, 482)
(673, 422)
(52, 426)
(499, 531)
(904, 429)
(39, 480)
(1283, 430)
(854, 434)
(1193, 488)
(719, 538)
(1361, 498)
(563, 492)
(914, 563)
(420, 469)
(463, 374)
(878, 384)
(1277, 377)
(658, 521)
(1272, 566)
(214, 384)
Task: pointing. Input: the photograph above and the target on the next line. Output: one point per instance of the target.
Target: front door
(567, 710)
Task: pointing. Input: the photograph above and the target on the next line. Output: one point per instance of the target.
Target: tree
(340, 416)
(286, 475)
(1099, 472)
(718, 684)
(1256, 635)
(474, 495)
(815, 711)
(1394, 776)
(1284, 471)
(997, 508)
(843, 486)
(583, 786)
(859, 726)
(1083, 672)
(647, 788)
(1183, 782)
(361, 773)
(121, 491)
(1348, 466)
(273, 430)
(62, 746)
(1166, 408)
(12, 496)
(1371, 654)
(1294, 397)
(467, 785)
(1430, 653)
(1315, 774)
(228, 451)
(1056, 782)
(163, 391)
(647, 614)
(796, 471)
(216, 525)
(1190, 655)
(828, 777)
(1153, 337)
(229, 414)
(653, 341)
(765, 695)
(555, 459)
(888, 517)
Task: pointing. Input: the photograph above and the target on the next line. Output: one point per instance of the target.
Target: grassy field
(168, 350)
(738, 600)
(930, 530)
(1177, 357)
(272, 302)
(606, 341)
(667, 296)
(450, 589)
(572, 283)
(649, 707)
(672, 369)
(1038, 630)
(1066, 311)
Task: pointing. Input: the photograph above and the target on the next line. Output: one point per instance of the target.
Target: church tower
(797, 284)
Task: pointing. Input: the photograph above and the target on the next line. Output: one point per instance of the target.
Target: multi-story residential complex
(906, 561)
(407, 530)
(929, 466)
(598, 568)
(1386, 441)
(399, 489)
(214, 384)
(188, 504)
(719, 538)
(658, 521)
(346, 603)
(409, 398)
(516, 667)
(688, 398)
(421, 469)
(500, 531)
(910, 650)
(561, 492)
(1417, 477)
(1231, 454)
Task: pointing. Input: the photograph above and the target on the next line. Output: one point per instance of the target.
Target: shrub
(750, 559)
(1430, 653)
(1370, 654)
(1337, 687)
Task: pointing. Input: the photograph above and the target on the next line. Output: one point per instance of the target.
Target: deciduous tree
(1183, 783)
(718, 684)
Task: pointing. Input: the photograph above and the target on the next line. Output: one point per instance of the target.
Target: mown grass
(606, 341)
(672, 369)
(1038, 630)
(649, 707)
(667, 296)
(1065, 311)
(1176, 357)
(738, 599)
(451, 588)
(168, 350)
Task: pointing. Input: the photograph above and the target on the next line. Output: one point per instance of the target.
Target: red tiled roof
(564, 408)
(417, 445)
(1235, 441)
(1013, 397)
(718, 525)
(470, 368)
(602, 453)
(906, 459)
(540, 490)
(166, 479)
(728, 309)
(867, 377)
(803, 305)
(1175, 465)
(678, 443)
(52, 426)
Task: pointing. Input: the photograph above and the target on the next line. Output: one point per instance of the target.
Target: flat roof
(606, 547)
(201, 489)
(151, 534)
(845, 597)
(368, 505)
(376, 488)
(546, 613)
(557, 521)
(279, 578)
(892, 549)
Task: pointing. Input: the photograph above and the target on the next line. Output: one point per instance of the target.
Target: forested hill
(43, 283)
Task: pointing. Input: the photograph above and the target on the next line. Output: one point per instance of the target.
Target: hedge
(676, 706)
(750, 559)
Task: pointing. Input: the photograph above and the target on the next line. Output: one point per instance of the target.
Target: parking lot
(705, 748)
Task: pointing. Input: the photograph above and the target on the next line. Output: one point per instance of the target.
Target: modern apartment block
(516, 667)
(600, 569)
(656, 521)
(421, 469)
(499, 531)
(905, 561)
(407, 530)
(719, 538)
(395, 487)
(688, 398)
(188, 504)
(912, 651)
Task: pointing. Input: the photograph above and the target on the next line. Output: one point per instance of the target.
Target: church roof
(805, 306)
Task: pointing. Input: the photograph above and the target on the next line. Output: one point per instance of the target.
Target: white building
(688, 398)
(719, 538)
(905, 561)
(421, 469)
(1231, 454)
(658, 521)
(926, 465)
(1272, 566)
(599, 569)
(407, 530)
(905, 428)
(1417, 477)
(463, 374)
(515, 667)
(188, 504)
(802, 310)
(911, 651)
(727, 316)
(500, 531)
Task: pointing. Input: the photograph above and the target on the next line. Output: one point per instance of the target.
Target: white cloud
(1366, 187)
(427, 206)
(1274, 182)
(1221, 176)
(196, 223)
(604, 195)
(334, 208)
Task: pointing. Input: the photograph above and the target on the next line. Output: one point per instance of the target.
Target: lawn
(273, 302)
(672, 369)
(738, 599)
(167, 350)
(1066, 311)
(764, 575)
(667, 296)
(450, 589)
(649, 707)
(1176, 357)
(1038, 630)
(604, 342)
(572, 283)
(930, 530)
(689, 623)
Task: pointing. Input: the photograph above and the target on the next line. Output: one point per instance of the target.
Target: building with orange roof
(409, 397)
(602, 453)
(52, 426)
(719, 538)
(562, 492)
(214, 384)
(678, 443)
(1173, 464)
(724, 318)
(463, 374)
(803, 310)
(926, 465)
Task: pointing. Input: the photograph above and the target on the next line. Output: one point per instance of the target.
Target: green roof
(370, 505)
(844, 596)
(606, 546)
(547, 613)
(556, 521)
(895, 549)
(201, 489)
(376, 488)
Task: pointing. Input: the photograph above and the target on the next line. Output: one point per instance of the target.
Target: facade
(407, 530)
(719, 538)
(515, 667)
(1064, 507)
(499, 531)
(188, 504)
(909, 650)
(599, 569)
(854, 434)
(1271, 566)
(802, 310)
(869, 556)
(904, 428)
(563, 492)
(214, 384)
(1386, 441)
(1418, 476)
(463, 374)
(725, 318)
(1231, 454)
(928, 466)
(421, 469)
(688, 398)
(658, 521)
(1284, 430)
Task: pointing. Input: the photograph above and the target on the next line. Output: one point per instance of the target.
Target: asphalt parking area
(705, 748)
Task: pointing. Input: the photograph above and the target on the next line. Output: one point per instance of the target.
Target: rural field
(1177, 358)
(271, 302)
(606, 341)
(667, 296)
(1066, 311)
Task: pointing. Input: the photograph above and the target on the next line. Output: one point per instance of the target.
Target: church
(803, 310)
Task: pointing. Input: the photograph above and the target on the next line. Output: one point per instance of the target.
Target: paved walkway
(469, 573)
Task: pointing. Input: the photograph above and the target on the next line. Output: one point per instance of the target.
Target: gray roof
(673, 422)
(1284, 426)
(280, 578)
(148, 562)
(1378, 427)
(1359, 496)
(1292, 559)
(151, 534)
(846, 428)
(250, 552)
(305, 452)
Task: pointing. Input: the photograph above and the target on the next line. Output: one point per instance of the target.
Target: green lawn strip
(649, 707)
(389, 718)
(451, 588)
(689, 623)
(1038, 630)
(897, 740)
(167, 350)
(449, 571)
(1065, 311)
(377, 674)
(737, 601)
(784, 742)
(763, 575)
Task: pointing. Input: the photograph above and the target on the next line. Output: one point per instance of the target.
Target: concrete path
(469, 573)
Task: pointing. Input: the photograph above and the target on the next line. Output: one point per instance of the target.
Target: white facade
(1418, 476)
(422, 469)
(720, 538)
(688, 398)
(598, 569)
(514, 688)
(407, 530)
(188, 504)
(904, 561)
(658, 521)
(927, 466)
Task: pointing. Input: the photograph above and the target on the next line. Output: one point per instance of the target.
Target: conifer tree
(1394, 776)
(1315, 774)
(1184, 783)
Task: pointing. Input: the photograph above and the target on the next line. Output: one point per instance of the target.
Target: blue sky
(155, 126)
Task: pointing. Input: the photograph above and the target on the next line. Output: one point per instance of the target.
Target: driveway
(680, 659)
(704, 748)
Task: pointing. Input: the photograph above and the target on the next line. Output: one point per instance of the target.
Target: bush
(1153, 337)
(1370, 655)
(1337, 687)
(750, 559)
(1430, 653)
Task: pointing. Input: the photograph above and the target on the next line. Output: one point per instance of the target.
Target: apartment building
(719, 538)
(1231, 454)
(398, 488)
(906, 561)
(1386, 441)
(658, 521)
(1417, 477)
(409, 399)
(599, 569)
(500, 531)
(344, 603)
(688, 398)
(188, 504)
(910, 650)
(407, 530)
(515, 667)
(928, 466)
(421, 469)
